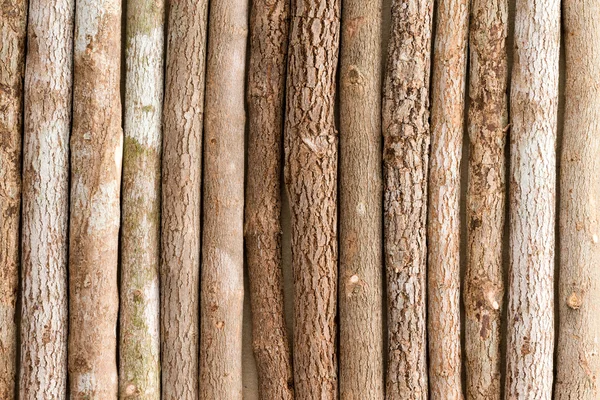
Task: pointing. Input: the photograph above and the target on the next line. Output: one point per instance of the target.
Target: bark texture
(139, 351)
(13, 22)
(361, 263)
(405, 164)
(488, 126)
(181, 181)
(222, 290)
(534, 103)
(578, 362)
(265, 96)
(311, 180)
(447, 107)
(96, 156)
(48, 91)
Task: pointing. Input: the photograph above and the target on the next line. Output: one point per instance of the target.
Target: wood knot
(574, 302)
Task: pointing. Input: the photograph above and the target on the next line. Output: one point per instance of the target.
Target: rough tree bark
(13, 23)
(443, 238)
(578, 363)
(139, 351)
(262, 230)
(48, 91)
(96, 155)
(222, 289)
(488, 119)
(534, 103)
(361, 303)
(405, 164)
(310, 145)
(181, 180)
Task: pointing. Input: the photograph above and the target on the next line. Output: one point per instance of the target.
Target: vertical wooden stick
(13, 22)
(96, 155)
(311, 181)
(443, 229)
(534, 103)
(265, 96)
(48, 91)
(181, 202)
(578, 363)
(405, 165)
(361, 263)
(139, 352)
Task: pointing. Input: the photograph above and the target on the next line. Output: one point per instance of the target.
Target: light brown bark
(443, 229)
(139, 347)
(181, 180)
(488, 120)
(405, 165)
(13, 21)
(48, 91)
(96, 155)
(578, 362)
(265, 96)
(361, 263)
(534, 103)
(222, 288)
(311, 180)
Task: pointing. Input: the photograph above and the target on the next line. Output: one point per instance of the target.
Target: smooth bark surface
(405, 165)
(181, 182)
(488, 126)
(222, 290)
(96, 156)
(13, 22)
(578, 362)
(265, 96)
(139, 351)
(443, 234)
(48, 91)
(311, 180)
(361, 263)
(534, 103)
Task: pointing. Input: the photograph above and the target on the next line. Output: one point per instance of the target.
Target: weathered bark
(405, 164)
(310, 145)
(96, 155)
(139, 351)
(48, 91)
(222, 290)
(534, 103)
(265, 95)
(578, 363)
(361, 264)
(488, 119)
(181, 180)
(13, 21)
(443, 229)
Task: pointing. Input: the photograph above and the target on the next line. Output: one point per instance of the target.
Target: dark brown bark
(265, 96)
(405, 165)
(361, 263)
(311, 182)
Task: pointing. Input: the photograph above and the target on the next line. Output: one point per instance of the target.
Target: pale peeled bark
(48, 91)
(222, 288)
(361, 263)
(488, 120)
(310, 145)
(13, 21)
(139, 347)
(578, 362)
(405, 165)
(181, 182)
(534, 103)
(96, 155)
(265, 95)
(443, 234)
